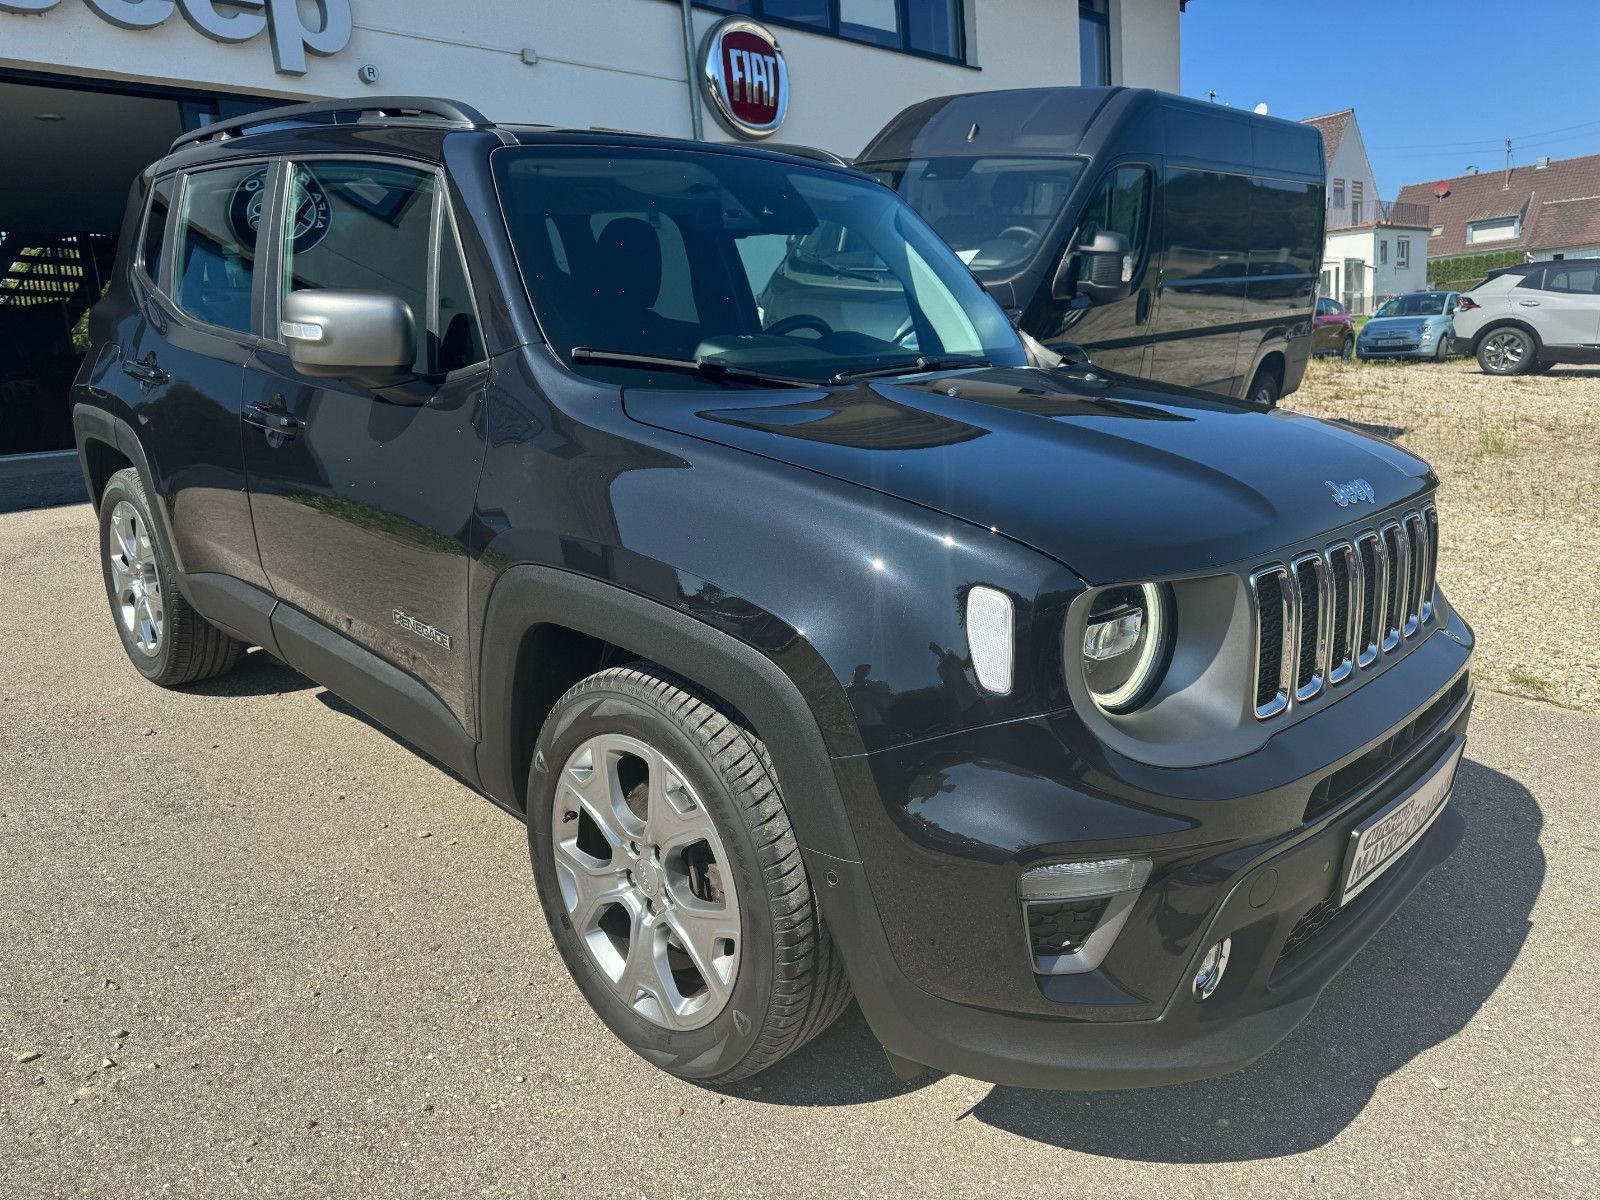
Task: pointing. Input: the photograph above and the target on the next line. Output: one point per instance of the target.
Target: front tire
(1507, 351)
(1347, 348)
(166, 639)
(672, 881)
(1264, 387)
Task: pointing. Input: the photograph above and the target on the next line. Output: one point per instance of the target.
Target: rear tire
(1507, 351)
(672, 881)
(1347, 348)
(166, 639)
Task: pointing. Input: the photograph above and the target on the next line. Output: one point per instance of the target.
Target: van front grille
(1331, 613)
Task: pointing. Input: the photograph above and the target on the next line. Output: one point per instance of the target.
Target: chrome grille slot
(1275, 608)
(1315, 596)
(1396, 548)
(1344, 574)
(1430, 580)
(1374, 589)
(1333, 613)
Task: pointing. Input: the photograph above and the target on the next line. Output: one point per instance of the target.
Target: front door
(1566, 310)
(363, 505)
(1116, 334)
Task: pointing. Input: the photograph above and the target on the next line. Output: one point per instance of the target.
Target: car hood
(1117, 478)
(1411, 325)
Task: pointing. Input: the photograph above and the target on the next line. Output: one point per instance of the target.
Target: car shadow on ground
(1416, 984)
(258, 674)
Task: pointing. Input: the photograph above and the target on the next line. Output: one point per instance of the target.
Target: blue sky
(1436, 85)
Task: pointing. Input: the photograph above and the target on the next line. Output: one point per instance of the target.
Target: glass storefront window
(930, 27)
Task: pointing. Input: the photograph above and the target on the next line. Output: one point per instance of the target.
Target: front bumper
(1407, 349)
(930, 927)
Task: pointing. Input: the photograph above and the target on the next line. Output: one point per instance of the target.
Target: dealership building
(91, 91)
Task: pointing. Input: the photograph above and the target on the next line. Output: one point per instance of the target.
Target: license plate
(1383, 838)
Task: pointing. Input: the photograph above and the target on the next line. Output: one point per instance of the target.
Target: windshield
(750, 263)
(1416, 304)
(995, 212)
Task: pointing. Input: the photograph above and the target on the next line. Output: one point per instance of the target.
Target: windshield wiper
(915, 367)
(714, 369)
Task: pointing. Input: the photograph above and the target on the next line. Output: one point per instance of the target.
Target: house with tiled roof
(1374, 249)
(1550, 209)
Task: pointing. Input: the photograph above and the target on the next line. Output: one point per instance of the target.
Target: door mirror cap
(1103, 270)
(368, 338)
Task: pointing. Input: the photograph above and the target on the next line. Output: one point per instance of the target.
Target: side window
(1208, 230)
(1581, 281)
(155, 229)
(362, 226)
(1122, 205)
(1533, 279)
(214, 265)
(460, 339)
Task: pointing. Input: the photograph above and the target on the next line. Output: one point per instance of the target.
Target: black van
(1169, 238)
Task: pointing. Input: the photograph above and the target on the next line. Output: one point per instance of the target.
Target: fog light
(1211, 969)
(1082, 880)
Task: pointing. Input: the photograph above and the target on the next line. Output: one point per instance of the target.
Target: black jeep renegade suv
(696, 504)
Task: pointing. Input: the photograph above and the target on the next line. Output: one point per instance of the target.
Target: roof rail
(799, 150)
(376, 109)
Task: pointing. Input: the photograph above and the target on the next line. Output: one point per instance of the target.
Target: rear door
(363, 506)
(1566, 309)
(1205, 259)
(183, 370)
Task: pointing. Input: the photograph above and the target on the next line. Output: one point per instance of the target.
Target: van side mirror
(368, 338)
(1104, 270)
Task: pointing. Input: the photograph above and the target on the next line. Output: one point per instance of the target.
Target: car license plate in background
(1379, 841)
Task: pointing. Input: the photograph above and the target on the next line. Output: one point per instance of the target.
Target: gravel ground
(251, 946)
(1519, 509)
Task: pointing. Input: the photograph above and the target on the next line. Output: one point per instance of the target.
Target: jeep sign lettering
(746, 78)
(228, 21)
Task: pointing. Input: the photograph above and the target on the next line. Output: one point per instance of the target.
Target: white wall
(616, 63)
(1566, 252)
(1382, 280)
(1351, 164)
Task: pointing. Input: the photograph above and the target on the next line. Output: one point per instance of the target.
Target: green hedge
(1459, 272)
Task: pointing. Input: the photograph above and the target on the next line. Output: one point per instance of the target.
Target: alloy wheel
(1504, 352)
(645, 881)
(135, 578)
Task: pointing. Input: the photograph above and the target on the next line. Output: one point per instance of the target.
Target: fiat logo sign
(746, 78)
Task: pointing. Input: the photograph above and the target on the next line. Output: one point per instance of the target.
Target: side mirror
(1104, 270)
(367, 337)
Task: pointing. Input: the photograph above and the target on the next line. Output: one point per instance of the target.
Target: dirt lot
(1519, 510)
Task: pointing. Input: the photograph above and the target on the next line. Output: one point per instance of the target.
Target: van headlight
(1125, 644)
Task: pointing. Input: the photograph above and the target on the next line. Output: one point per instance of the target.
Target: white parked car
(1532, 316)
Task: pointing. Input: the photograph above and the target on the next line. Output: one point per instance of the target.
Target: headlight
(1125, 645)
(1428, 333)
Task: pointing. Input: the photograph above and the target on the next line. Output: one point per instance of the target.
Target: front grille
(1333, 612)
(1341, 785)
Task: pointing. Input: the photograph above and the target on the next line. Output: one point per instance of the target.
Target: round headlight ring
(1152, 650)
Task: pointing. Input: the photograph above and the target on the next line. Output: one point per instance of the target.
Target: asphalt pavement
(250, 945)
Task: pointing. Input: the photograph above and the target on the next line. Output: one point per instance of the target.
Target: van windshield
(995, 212)
(751, 264)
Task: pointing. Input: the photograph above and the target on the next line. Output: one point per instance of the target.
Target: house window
(1402, 252)
(1094, 43)
(1356, 188)
(933, 28)
(1383, 252)
(1438, 231)
(1338, 193)
(1497, 230)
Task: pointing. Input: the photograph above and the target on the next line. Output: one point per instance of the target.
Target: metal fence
(1382, 212)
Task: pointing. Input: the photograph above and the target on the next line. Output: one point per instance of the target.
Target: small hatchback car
(1081, 728)
(1415, 325)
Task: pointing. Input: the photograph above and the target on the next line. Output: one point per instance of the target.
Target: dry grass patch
(1519, 509)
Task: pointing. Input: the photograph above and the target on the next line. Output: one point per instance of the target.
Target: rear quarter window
(154, 240)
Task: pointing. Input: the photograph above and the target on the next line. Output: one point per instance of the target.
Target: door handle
(1528, 303)
(272, 420)
(145, 370)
